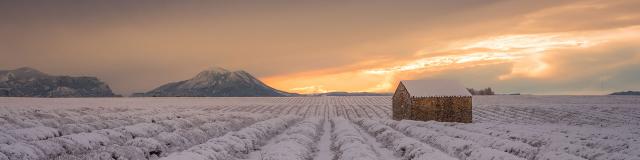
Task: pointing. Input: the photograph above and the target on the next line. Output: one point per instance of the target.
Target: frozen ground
(319, 128)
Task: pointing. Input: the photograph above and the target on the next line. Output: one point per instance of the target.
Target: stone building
(435, 99)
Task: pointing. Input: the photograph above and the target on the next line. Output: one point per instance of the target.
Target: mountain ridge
(627, 93)
(30, 82)
(217, 82)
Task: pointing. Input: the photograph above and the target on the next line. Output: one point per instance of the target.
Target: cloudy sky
(538, 47)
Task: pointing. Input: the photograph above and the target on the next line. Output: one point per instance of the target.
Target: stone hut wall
(400, 104)
(442, 109)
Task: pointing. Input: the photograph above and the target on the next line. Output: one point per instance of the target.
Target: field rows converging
(318, 128)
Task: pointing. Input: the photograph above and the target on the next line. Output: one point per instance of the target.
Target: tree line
(486, 91)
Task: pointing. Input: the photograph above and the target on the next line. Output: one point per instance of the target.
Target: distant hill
(29, 82)
(351, 94)
(217, 82)
(634, 93)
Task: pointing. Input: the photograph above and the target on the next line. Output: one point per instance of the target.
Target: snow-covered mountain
(218, 82)
(29, 82)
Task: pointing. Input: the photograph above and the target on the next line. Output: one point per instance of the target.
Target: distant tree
(486, 91)
(472, 91)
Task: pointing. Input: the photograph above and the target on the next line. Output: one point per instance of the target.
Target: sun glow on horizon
(524, 51)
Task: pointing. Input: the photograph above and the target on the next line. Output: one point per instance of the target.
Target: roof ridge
(434, 88)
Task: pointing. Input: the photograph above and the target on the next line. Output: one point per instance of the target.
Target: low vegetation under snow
(320, 128)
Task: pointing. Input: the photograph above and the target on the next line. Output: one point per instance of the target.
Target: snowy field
(316, 128)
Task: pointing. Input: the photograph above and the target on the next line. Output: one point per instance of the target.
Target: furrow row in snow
(458, 147)
(296, 143)
(403, 146)
(348, 143)
(235, 144)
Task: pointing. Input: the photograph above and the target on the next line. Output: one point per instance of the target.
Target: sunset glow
(568, 47)
(525, 52)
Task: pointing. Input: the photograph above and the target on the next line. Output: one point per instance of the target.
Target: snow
(235, 144)
(85, 141)
(378, 147)
(434, 88)
(324, 144)
(35, 133)
(173, 141)
(21, 151)
(109, 153)
(349, 143)
(149, 146)
(458, 147)
(320, 128)
(558, 155)
(7, 139)
(403, 146)
(296, 143)
(513, 147)
(142, 130)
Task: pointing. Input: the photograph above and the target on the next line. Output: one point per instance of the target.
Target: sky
(529, 47)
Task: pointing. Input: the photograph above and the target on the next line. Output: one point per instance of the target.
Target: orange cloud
(524, 51)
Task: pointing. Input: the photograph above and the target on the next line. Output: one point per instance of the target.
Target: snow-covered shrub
(195, 135)
(213, 126)
(9, 126)
(69, 146)
(200, 119)
(297, 143)
(553, 142)
(142, 130)
(114, 136)
(49, 148)
(65, 120)
(253, 136)
(173, 141)
(216, 128)
(22, 151)
(162, 116)
(70, 157)
(84, 118)
(3, 157)
(51, 122)
(84, 142)
(112, 152)
(177, 123)
(348, 141)
(403, 146)
(27, 123)
(149, 146)
(67, 129)
(551, 155)
(109, 124)
(6, 138)
(578, 150)
(35, 133)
